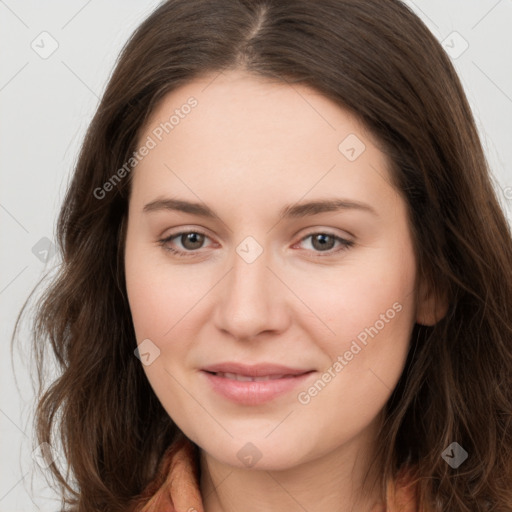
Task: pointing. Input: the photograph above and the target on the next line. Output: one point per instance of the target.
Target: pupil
(321, 240)
(192, 240)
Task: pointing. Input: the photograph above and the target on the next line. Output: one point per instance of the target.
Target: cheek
(364, 299)
(159, 294)
(365, 360)
(157, 303)
(151, 296)
(166, 308)
(372, 312)
(369, 309)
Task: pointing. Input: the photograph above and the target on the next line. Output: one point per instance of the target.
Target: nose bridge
(249, 301)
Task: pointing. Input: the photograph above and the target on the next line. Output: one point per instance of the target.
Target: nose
(251, 300)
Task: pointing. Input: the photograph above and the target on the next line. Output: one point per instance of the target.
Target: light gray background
(46, 105)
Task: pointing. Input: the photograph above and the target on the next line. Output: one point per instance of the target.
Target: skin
(250, 147)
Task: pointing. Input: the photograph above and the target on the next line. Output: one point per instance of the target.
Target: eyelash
(346, 244)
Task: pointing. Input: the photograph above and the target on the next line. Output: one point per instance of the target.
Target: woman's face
(298, 268)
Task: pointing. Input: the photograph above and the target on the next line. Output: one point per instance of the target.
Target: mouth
(248, 378)
(254, 385)
(271, 370)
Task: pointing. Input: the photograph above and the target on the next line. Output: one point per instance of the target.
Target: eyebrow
(297, 210)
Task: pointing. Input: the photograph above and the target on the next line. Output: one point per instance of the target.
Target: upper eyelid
(185, 232)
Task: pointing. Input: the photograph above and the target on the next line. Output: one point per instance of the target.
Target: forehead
(233, 99)
(232, 130)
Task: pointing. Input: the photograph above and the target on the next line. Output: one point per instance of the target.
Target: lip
(279, 380)
(255, 370)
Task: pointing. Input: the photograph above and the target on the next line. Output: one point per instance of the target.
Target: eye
(324, 242)
(190, 241)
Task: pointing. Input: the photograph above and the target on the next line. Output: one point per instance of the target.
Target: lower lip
(254, 392)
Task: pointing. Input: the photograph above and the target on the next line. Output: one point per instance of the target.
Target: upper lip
(256, 370)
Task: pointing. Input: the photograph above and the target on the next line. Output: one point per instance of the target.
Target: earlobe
(431, 307)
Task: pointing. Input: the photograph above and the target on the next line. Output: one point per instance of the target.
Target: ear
(431, 308)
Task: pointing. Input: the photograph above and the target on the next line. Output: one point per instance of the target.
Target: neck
(331, 483)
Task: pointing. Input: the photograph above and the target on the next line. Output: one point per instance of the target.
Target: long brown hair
(378, 60)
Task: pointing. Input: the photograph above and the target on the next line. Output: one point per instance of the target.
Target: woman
(286, 276)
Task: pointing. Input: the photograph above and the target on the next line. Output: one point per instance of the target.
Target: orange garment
(176, 488)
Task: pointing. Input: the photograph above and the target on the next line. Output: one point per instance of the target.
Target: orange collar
(176, 488)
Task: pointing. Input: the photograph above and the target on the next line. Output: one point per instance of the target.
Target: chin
(257, 453)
